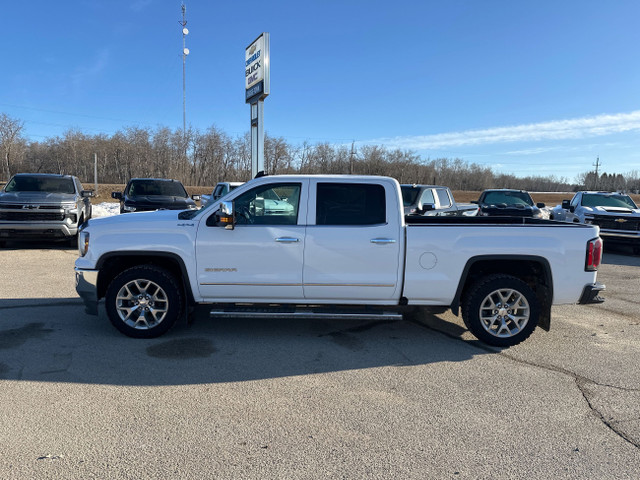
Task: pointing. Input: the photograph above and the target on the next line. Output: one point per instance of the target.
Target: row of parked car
(615, 213)
(54, 206)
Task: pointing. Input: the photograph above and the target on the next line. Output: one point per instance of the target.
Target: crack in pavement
(581, 381)
(581, 384)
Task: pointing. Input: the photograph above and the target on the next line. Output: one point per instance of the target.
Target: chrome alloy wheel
(504, 312)
(142, 304)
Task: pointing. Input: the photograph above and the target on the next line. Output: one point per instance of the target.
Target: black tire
(501, 310)
(144, 301)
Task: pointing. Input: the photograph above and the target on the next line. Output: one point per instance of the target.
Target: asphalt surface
(263, 399)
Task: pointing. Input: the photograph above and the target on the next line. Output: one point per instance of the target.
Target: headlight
(70, 206)
(83, 243)
(588, 219)
(128, 208)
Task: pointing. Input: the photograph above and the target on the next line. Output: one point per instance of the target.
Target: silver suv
(43, 206)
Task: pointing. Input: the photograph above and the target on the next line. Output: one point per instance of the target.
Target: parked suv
(145, 194)
(505, 202)
(42, 205)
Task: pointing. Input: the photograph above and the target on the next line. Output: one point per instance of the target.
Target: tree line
(200, 158)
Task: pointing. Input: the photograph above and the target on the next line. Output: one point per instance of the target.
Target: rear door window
(350, 204)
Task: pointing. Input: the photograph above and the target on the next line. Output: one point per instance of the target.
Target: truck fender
(526, 267)
(111, 263)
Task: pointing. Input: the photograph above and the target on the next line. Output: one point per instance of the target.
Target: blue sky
(529, 88)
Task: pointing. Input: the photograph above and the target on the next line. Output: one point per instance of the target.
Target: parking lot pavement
(308, 399)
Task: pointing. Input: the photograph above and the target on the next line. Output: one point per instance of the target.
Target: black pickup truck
(146, 194)
(504, 202)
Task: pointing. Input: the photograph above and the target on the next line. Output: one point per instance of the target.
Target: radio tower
(185, 52)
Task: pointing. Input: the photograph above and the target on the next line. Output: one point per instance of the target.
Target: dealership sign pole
(257, 85)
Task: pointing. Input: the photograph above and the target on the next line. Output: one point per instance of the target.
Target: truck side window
(274, 204)
(575, 201)
(427, 197)
(350, 204)
(217, 192)
(443, 197)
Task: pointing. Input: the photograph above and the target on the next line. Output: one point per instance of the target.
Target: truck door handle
(382, 241)
(287, 240)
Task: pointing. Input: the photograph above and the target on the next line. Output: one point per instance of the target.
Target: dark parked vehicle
(146, 194)
(506, 202)
(43, 206)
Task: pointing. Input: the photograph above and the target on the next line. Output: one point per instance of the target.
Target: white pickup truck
(342, 249)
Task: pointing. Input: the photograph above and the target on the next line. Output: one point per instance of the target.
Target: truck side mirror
(87, 193)
(116, 195)
(197, 198)
(566, 204)
(540, 205)
(226, 215)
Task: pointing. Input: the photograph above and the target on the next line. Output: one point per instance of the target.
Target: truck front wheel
(501, 310)
(143, 301)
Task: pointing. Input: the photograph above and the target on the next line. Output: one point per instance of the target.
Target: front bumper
(590, 294)
(10, 230)
(620, 237)
(87, 288)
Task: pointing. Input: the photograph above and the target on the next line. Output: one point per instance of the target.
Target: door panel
(261, 259)
(352, 249)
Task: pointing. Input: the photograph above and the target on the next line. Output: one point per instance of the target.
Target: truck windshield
(508, 198)
(607, 200)
(156, 187)
(40, 184)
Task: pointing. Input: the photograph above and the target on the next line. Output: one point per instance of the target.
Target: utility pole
(351, 157)
(185, 52)
(597, 165)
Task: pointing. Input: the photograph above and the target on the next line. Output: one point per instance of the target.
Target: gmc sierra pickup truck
(342, 248)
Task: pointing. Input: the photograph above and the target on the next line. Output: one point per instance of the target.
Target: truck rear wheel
(501, 310)
(143, 301)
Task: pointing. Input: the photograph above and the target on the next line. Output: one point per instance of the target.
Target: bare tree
(10, 129)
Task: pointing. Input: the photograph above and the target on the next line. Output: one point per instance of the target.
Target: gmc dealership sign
(256, 69)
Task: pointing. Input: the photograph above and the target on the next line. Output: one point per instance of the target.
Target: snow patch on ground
(105, 209)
